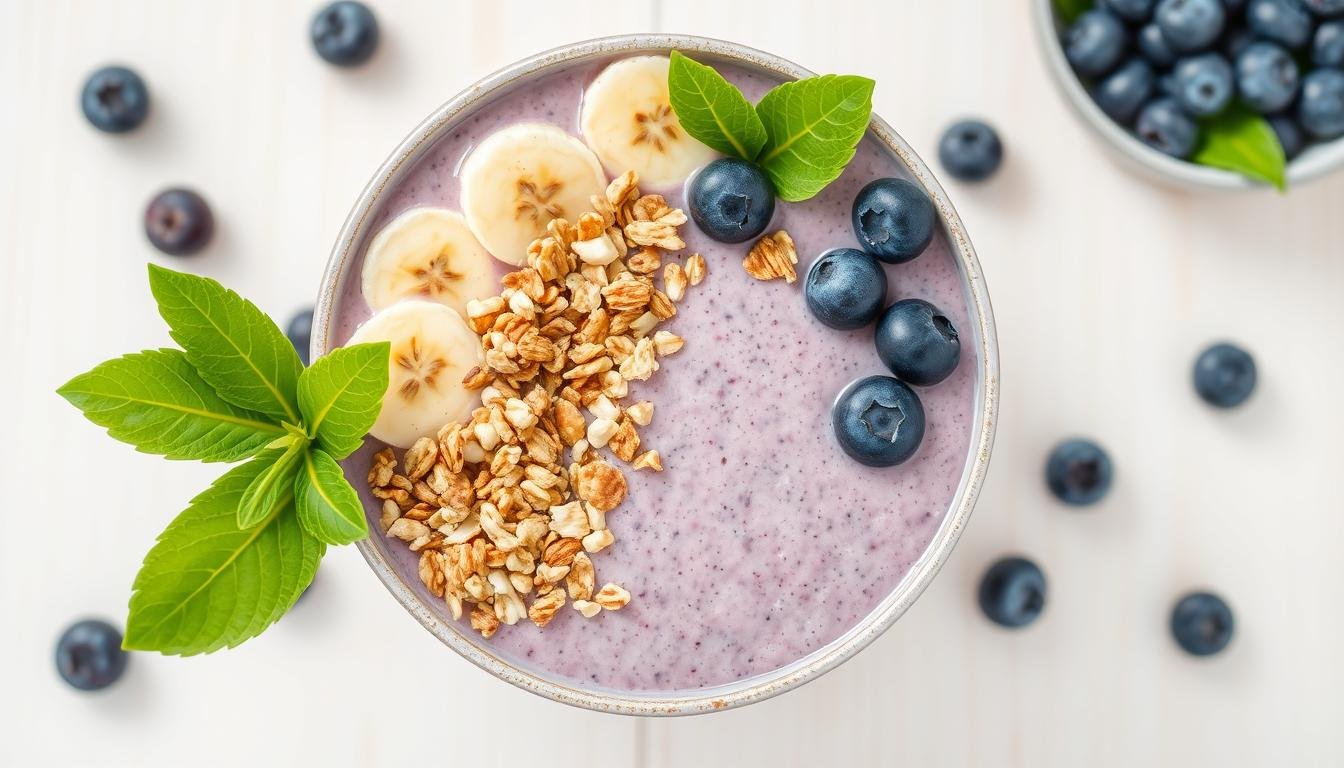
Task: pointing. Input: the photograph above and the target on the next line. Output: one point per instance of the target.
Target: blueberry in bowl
(731, 200)
(917, 342)
(845, 288)
(879, 421)
(894, 220)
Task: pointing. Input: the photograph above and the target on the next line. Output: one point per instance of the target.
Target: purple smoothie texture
(761, 542)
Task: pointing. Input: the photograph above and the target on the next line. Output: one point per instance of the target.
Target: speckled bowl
(375, 549)
(1315, 162)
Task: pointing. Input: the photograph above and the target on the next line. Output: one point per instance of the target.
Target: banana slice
(432, 349)
(520, 178)
(628, 121)
(427, 253)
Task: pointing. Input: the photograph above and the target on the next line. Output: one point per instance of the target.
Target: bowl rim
(739, 693)
(1313, 163)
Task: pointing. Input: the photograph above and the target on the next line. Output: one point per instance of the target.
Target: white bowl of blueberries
(1228, 94)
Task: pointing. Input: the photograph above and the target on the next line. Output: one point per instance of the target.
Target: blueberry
(1094, 43)
(1012, 592)
(1289, 133)
(1282, 21)
(345, 33)
(1154, 46)
(1321, 110)
(917, 342)
(1190, 25)
(1202, 623)
(89, 655)
(1324, 7)
(1327, 47)
(970, 150)
(178, 222)
(1224, 375)
(845, 288)
(1125, 90)
(1266, 77)
(878, 421)
(1204, 84)
(893, 220)
(1079, 472)
(1129, 10)
(731, 200)
(115, 100)
(300, 332)
(1165, 127)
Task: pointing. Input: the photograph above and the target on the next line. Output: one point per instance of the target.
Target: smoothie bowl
(640, 499)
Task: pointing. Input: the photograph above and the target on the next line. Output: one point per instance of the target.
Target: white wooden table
(1104, 286)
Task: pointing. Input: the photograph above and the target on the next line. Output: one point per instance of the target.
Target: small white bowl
(1313, 163)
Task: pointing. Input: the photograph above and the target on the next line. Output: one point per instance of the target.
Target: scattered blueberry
(1095, 43)
(89, 655)
(178, 222)
(1190, 25)
(345, 33)
(300, 332)
(1324, 7)
(879, 421)
(893, 220)
(1129, 10)
(1327, 47)
(1266, 77)
(1283, 21)
(115, 100)
(1202, 623)
(1224, 375)
(970, 150)
(1321, 109)
(845, 288)
(1079, 472)
(917, 342)
(1289, 133)
(1165, 127)
(1204, 84)
(731, 200)
(1012, 592)
(1154, 46)
(1125, 90)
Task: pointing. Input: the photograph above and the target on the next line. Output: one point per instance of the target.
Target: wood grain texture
(1104, 285)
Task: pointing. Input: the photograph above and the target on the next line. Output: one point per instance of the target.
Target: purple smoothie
(761, 542)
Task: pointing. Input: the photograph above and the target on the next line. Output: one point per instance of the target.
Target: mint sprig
(238, 557)
(802, 133)
(1243, 141)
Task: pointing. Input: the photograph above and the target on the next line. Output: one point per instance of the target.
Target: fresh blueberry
(1324, 7)
(879, 421)
(917, 342)
(1154, 46)
(1129, 10)
(1224, 375)
(1094, 43)
(89, 655)
(893, 220)
(345, 33)
(115, 100)
(1079, 472)
(845, 288)
(1202, 623)
(1289, 133)
(1165, 127)
(1012, 592)
(300, 332)
(1282, 21)
(1190, 25)
(1204, 84)
(1321, 110)
(1266, 77)
(970, 150)
(731, 200)
(1125, 90)
(1327, 47)
(178, 222)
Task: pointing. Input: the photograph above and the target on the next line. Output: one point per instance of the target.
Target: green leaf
(1069, 10)
(713, 110)
(1242, 141)
(235, 347)
(329, 509)
(813, 126)
(341, 394)
(207, 585)
(156, 401)
(272, 487)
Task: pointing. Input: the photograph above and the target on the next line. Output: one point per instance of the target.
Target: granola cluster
(501, 521)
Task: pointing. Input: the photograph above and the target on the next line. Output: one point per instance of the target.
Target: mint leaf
(1242, 141)
(813, 125)
(341, 394)
(156, 401)
(1069, 10)
(235, 347)
(272, 487)
(329, 509)
(207, 585)
(713, 110)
